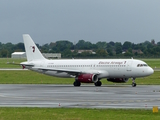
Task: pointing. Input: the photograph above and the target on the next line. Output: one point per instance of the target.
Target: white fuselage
(104, 68)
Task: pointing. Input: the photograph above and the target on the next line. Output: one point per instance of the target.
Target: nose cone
(150, 71)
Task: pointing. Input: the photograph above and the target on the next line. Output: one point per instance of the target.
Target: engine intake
(118, 80)
(87, 78)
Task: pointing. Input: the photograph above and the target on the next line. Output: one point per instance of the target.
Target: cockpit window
(141, 65)
(145, 65)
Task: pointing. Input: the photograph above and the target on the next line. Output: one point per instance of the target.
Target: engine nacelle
(118, 80)
(87, 78)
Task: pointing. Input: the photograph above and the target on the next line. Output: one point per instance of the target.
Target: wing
(71, 72)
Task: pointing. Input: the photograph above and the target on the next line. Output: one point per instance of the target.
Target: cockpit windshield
(141, 65)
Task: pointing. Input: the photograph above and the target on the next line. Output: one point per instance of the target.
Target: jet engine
(118, 80)
(87, 78)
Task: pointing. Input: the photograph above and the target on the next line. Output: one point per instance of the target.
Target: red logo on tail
(33, 47)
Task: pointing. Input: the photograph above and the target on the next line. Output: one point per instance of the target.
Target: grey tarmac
(85, 96)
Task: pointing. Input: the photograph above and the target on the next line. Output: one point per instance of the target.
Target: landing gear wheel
(98, 83)
(77, 83)
(134, 84)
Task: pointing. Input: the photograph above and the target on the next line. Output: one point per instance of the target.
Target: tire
(98, 83)
(77, 83)
(134, 84)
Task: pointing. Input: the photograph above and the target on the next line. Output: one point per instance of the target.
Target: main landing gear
(77, 83)
(133, 82)
(98, 83)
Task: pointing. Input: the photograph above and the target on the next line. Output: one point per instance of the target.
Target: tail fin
(32, 51)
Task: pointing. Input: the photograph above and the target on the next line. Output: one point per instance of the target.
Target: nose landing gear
(133, 82)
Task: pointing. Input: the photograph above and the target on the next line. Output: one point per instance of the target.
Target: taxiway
(86, 96)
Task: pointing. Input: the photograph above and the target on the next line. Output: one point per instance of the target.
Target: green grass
(30, 77)
(152, 62)
(150, 80)
(4, 62)
(76, 114)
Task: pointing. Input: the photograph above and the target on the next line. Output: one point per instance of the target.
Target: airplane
(85, 70)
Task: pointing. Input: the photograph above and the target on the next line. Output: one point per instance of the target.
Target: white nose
(150, 71)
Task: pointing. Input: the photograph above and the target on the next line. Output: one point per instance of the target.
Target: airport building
(52, 55)
(20, 55)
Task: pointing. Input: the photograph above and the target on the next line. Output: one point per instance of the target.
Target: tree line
(90, 50)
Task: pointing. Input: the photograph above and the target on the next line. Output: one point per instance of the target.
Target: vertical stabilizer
(32, 52)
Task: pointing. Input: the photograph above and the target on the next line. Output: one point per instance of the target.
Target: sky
(91, 20)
